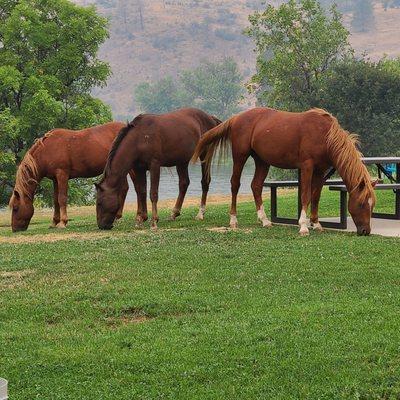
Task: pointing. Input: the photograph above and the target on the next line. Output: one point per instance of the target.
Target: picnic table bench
(338, 185)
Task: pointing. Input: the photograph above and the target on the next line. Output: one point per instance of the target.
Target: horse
(148, 143)
(312, 141)
(61, 155)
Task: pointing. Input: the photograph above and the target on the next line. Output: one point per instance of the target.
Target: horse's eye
(15, 208)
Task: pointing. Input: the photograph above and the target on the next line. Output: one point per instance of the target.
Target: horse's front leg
(306, 178)
(62, 182)
(184, 182)
(155, 181)
(140, 181)
(318, 180)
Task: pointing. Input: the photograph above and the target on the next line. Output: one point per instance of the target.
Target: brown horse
(150, 142)
(60, 155)
(312, 141)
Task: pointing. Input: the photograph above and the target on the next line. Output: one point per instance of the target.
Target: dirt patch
(12, 279)
(223, 229)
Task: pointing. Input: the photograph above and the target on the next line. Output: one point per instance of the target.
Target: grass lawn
(192, 313)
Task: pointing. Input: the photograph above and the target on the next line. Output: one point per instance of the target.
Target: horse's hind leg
(205, 185)
(306, 178)
(155, 181)
(56, 215)
(122, 196)
(184, 183)
(62, 182)
(238, 164)
(260, 174)
(316, 188)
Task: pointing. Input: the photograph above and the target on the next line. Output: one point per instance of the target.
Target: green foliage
(48, 66)
(365, 96)
(162, 96)
(214, 87)
(296, 43)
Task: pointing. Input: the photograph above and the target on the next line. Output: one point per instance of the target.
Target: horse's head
(22, 211)
(107, 205)
(361, 204)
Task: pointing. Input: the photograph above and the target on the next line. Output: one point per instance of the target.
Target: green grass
(197, 314)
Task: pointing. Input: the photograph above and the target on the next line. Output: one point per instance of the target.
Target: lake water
(220, 182)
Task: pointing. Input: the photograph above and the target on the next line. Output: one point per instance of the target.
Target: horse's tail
(215, 138)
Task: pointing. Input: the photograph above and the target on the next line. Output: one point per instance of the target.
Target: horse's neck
(348, 179)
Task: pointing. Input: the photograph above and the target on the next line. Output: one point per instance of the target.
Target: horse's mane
(343, 148)
(28, 171)
(118, 140)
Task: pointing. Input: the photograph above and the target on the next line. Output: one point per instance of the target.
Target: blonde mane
(28, 171)
(343, 150)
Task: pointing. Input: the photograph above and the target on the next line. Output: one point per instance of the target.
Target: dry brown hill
(154, 38)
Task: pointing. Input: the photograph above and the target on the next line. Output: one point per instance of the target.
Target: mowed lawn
(193, 313)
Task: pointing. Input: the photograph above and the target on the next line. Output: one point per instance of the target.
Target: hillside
(154, 38)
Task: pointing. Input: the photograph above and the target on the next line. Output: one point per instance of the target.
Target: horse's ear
(17, 195)
(361, 186)
(374, 183)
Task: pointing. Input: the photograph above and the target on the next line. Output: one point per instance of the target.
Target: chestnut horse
(311, 141)
(60, 155)
(150, 142)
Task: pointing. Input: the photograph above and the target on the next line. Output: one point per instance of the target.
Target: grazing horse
(150, 142)
(311, 141)
(60, 155)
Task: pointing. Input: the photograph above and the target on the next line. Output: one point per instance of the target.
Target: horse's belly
(277, 151)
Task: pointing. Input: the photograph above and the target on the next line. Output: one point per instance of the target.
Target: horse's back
(80, 153)
(283, 138)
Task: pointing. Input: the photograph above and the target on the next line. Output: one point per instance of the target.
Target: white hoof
(304, 231)
(61, 225)
(200, 217)
(318, 227)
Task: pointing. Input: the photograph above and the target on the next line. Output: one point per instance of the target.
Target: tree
(363, 16)
(297, 43)
(365, 96)
(48, 66)
(214, 87)
(162, 96)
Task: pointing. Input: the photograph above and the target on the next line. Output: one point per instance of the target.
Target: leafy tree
(48, 66)
(297, 43)
(162, 96)
(214, 87)
(365, 96)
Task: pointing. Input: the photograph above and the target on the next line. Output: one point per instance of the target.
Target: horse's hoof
(61, 225)
(266, 224)
(53, 225)
(304, 232)
(234, 226)
(200, 217)
(174, 216)
(318, 227)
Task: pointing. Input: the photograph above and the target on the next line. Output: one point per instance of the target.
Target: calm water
(220, 181)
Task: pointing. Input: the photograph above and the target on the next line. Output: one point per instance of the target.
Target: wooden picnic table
(338, 185)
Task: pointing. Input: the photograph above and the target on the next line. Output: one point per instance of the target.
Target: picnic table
(384, 170)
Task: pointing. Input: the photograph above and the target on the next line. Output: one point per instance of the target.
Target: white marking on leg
(233, 222)
(263, 218)
(303, 223)
(202, 211)
(317, 227)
